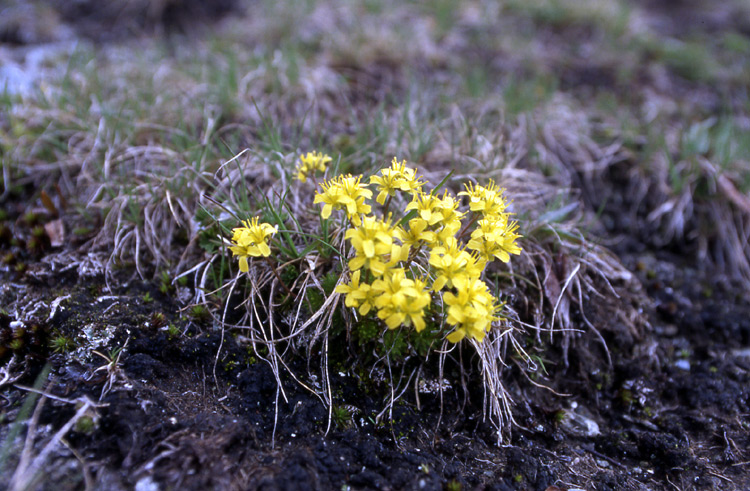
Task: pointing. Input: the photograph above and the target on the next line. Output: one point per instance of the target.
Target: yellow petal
(368, 247)
(364, 309)
(264, 249)
(394, 320)
(456, 336)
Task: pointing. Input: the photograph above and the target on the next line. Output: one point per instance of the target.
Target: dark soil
(674, 409)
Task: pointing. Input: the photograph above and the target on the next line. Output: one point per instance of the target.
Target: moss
(315, 299)
(158, 320)
(31, 218)
(453, 485)
(199, 313)
(62, 344)
(165, 283)
(341, 416)
(86, 425)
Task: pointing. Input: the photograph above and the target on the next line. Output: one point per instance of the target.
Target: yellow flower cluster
(397, 177)
(345, 192)
(386, 257)
(309, 163)
(251, 241)
(495, 236)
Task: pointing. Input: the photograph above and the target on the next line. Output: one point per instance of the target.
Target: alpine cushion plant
(414, 267)
(430, 252)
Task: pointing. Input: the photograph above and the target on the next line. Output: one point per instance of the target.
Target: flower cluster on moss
(434, 251)
(398, 268)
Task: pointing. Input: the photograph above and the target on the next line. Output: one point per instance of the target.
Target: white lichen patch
(434, 386)
(93, 336)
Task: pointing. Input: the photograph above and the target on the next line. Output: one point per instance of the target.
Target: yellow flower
(417, 233)
(251, 241)
(372, 239)
(398, 176)
(428, 207)
(486, 200)
(454, 266)
(495, 237)
(345, 192)
(401, 300)
(310, 162)
(358, 295)
(451, 222)
(471, 310)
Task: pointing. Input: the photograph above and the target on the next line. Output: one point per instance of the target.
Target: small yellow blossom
(417, 233)
(372, 240)
(401, 300)
(309, 163)
(454, 266)
(428, 207)
(471, 310)
(396, 177)
(251, 241)
(345, 192)
(358, 295)
(494, 237)
(451, 222)
(486, 200)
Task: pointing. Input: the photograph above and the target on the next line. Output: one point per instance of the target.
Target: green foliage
(395, 344)
(329, 281)
(173, 331)
(61, 343)
(200, 313)
(453, 485)
(165, 283)
(315, 298)
(367, 330)
(341, 416)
